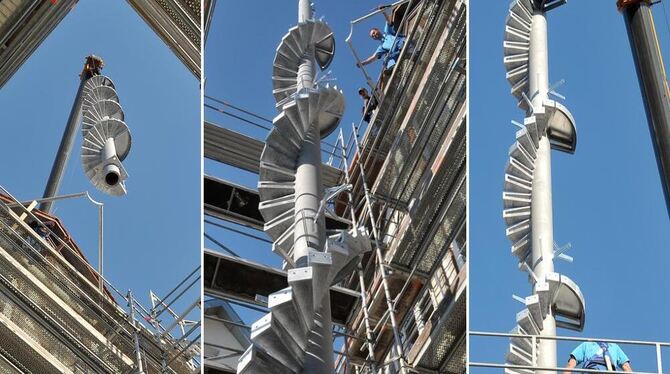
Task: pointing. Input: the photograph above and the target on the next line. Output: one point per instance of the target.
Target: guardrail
(534, 338)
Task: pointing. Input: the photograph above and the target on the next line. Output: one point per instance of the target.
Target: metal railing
(658, 346)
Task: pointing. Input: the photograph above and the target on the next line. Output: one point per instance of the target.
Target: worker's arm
(571, 365)
(368, 60)
(626, 367)
(388, 18)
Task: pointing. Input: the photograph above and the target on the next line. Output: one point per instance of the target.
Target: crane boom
(653, 81)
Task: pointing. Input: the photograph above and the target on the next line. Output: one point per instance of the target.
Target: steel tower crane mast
(653, 81)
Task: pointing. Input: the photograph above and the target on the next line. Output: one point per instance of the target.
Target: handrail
(568, 338)
(549, 369)
(535, 338)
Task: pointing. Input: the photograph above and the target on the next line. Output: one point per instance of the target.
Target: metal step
(98, 111)
(256, 361)
(284, 309)
(346, 250)
(268, 334)
(525, 321)
(519, 230)
(513, 216)
(516, 47)
(301, 282)
(517, 356)
(543, 291)
(523, 343)
(276, 207)
(535, 309)
(291, 50)
(276, 227)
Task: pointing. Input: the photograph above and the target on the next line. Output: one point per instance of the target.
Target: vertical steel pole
(136, 337)
(541, 206)
(310, 230)
(653, 83)
(64, 149)
(399, 363)
(101, 226)
(361, 276)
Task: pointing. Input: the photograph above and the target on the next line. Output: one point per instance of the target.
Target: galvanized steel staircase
(281, 338)
(554, 293)
(102, 123)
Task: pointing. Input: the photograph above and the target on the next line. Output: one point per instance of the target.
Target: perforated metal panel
(444, 342)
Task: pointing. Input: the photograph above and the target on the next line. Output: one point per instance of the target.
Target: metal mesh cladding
(43, 269)
(193, 10)
(52, 278)
(447, 175)
(15, 315)
(445, 339)
(66, 321)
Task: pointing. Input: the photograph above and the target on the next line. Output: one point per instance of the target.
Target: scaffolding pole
(400, 363)
(361, 277)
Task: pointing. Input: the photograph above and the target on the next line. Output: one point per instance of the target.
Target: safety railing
(534, 339)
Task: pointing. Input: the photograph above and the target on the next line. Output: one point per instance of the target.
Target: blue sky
(152, 235)
(608, 200)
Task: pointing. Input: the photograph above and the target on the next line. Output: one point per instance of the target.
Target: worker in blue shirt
(598, 356)
(387, 38)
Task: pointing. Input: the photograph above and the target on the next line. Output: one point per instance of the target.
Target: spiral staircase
(282, 338)
(553, 293)
(106, 136)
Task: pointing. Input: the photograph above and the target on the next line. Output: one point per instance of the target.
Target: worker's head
(375, 33)
(363, 92)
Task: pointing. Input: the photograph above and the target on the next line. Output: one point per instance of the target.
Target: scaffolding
(410, 290)
(59, 317)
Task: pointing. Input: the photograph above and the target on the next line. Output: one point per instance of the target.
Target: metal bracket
(553, 87)
(560, 252)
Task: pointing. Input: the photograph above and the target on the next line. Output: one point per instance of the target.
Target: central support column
(308, 185)
(541, 207)
(310, 232)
